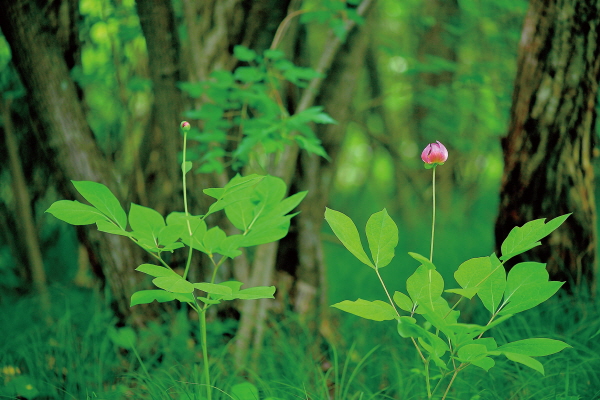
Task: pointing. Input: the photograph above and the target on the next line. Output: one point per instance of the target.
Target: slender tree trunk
(254, 313)
(548, 151)
(317, 174)
(54, 100)
(23, 208)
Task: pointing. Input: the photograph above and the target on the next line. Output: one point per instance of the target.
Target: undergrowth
(76, 351)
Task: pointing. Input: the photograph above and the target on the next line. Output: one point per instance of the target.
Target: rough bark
(54, 100)
(548, 151)
(159, 151)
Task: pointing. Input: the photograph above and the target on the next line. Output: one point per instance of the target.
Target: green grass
(81, 355)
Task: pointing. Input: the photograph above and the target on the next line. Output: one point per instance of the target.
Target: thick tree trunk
(161, 170)
(54, 101)
(548, 151)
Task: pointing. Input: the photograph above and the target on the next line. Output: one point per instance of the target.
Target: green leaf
(197, 226)
(374, 310)
(537, 347)
(110, 227)
(403, 301)
(425, 286)
(526, 360)
(485, 363)
(527, 286)
(155, 270)
(175, 284)
(468, 293)
(103, 199)
(382, 235)
(186, 167)
(75, 213)
(243, 53)
(258, 292)
(170, 234)
(407, 327)
(248, 74)
(472, 352)
(254, 293)
(213, 239)
(145, 222)
(521, 239)
(226, 195)
(472, 272)
(466, 332)
(492, 289)
(124, 337)
(244, 391)
(148, 296)
(230, 245)
(214, 288)
(422, 259)
(312, 144)
(346, 231)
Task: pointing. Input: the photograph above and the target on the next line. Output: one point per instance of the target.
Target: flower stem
(202, 325)
(185, 205)
(433, 219)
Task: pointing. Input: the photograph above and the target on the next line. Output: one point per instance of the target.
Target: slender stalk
(202, 325)
(433, 219)
(386, 291)
(428, 384)
(451, 381)
(201, 311)
(185, 205)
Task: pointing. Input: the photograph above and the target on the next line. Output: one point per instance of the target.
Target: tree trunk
(548, 151)
(162, 172)
(263, 268)
(54, 100)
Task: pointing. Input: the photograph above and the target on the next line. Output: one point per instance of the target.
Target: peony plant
(425, 317)
(254, 204)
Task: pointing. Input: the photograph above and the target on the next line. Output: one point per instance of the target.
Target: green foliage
(333, 13)
(525, 287)
(245, 105)
(255, 204)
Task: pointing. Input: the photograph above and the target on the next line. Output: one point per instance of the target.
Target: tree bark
(24, 213)
(54, 100)
(549, 148)
(162, 172)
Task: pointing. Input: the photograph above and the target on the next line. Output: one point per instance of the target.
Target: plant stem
(201, 312)
(202, 324)
(386, 292)
(428, 384)
(185, 206)
(451, 382)
(433, 219)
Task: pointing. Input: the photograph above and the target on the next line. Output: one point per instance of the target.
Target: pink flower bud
(185, 126)
(434, 154)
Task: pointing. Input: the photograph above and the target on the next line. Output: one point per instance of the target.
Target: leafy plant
(427, 318)
(254, 204)
(242, 111)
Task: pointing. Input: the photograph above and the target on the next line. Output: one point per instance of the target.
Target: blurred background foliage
(468, 112)
(433, 70)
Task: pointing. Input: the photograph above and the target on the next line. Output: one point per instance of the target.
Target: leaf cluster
(448, 343)
(254, 204)
(242, 110)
